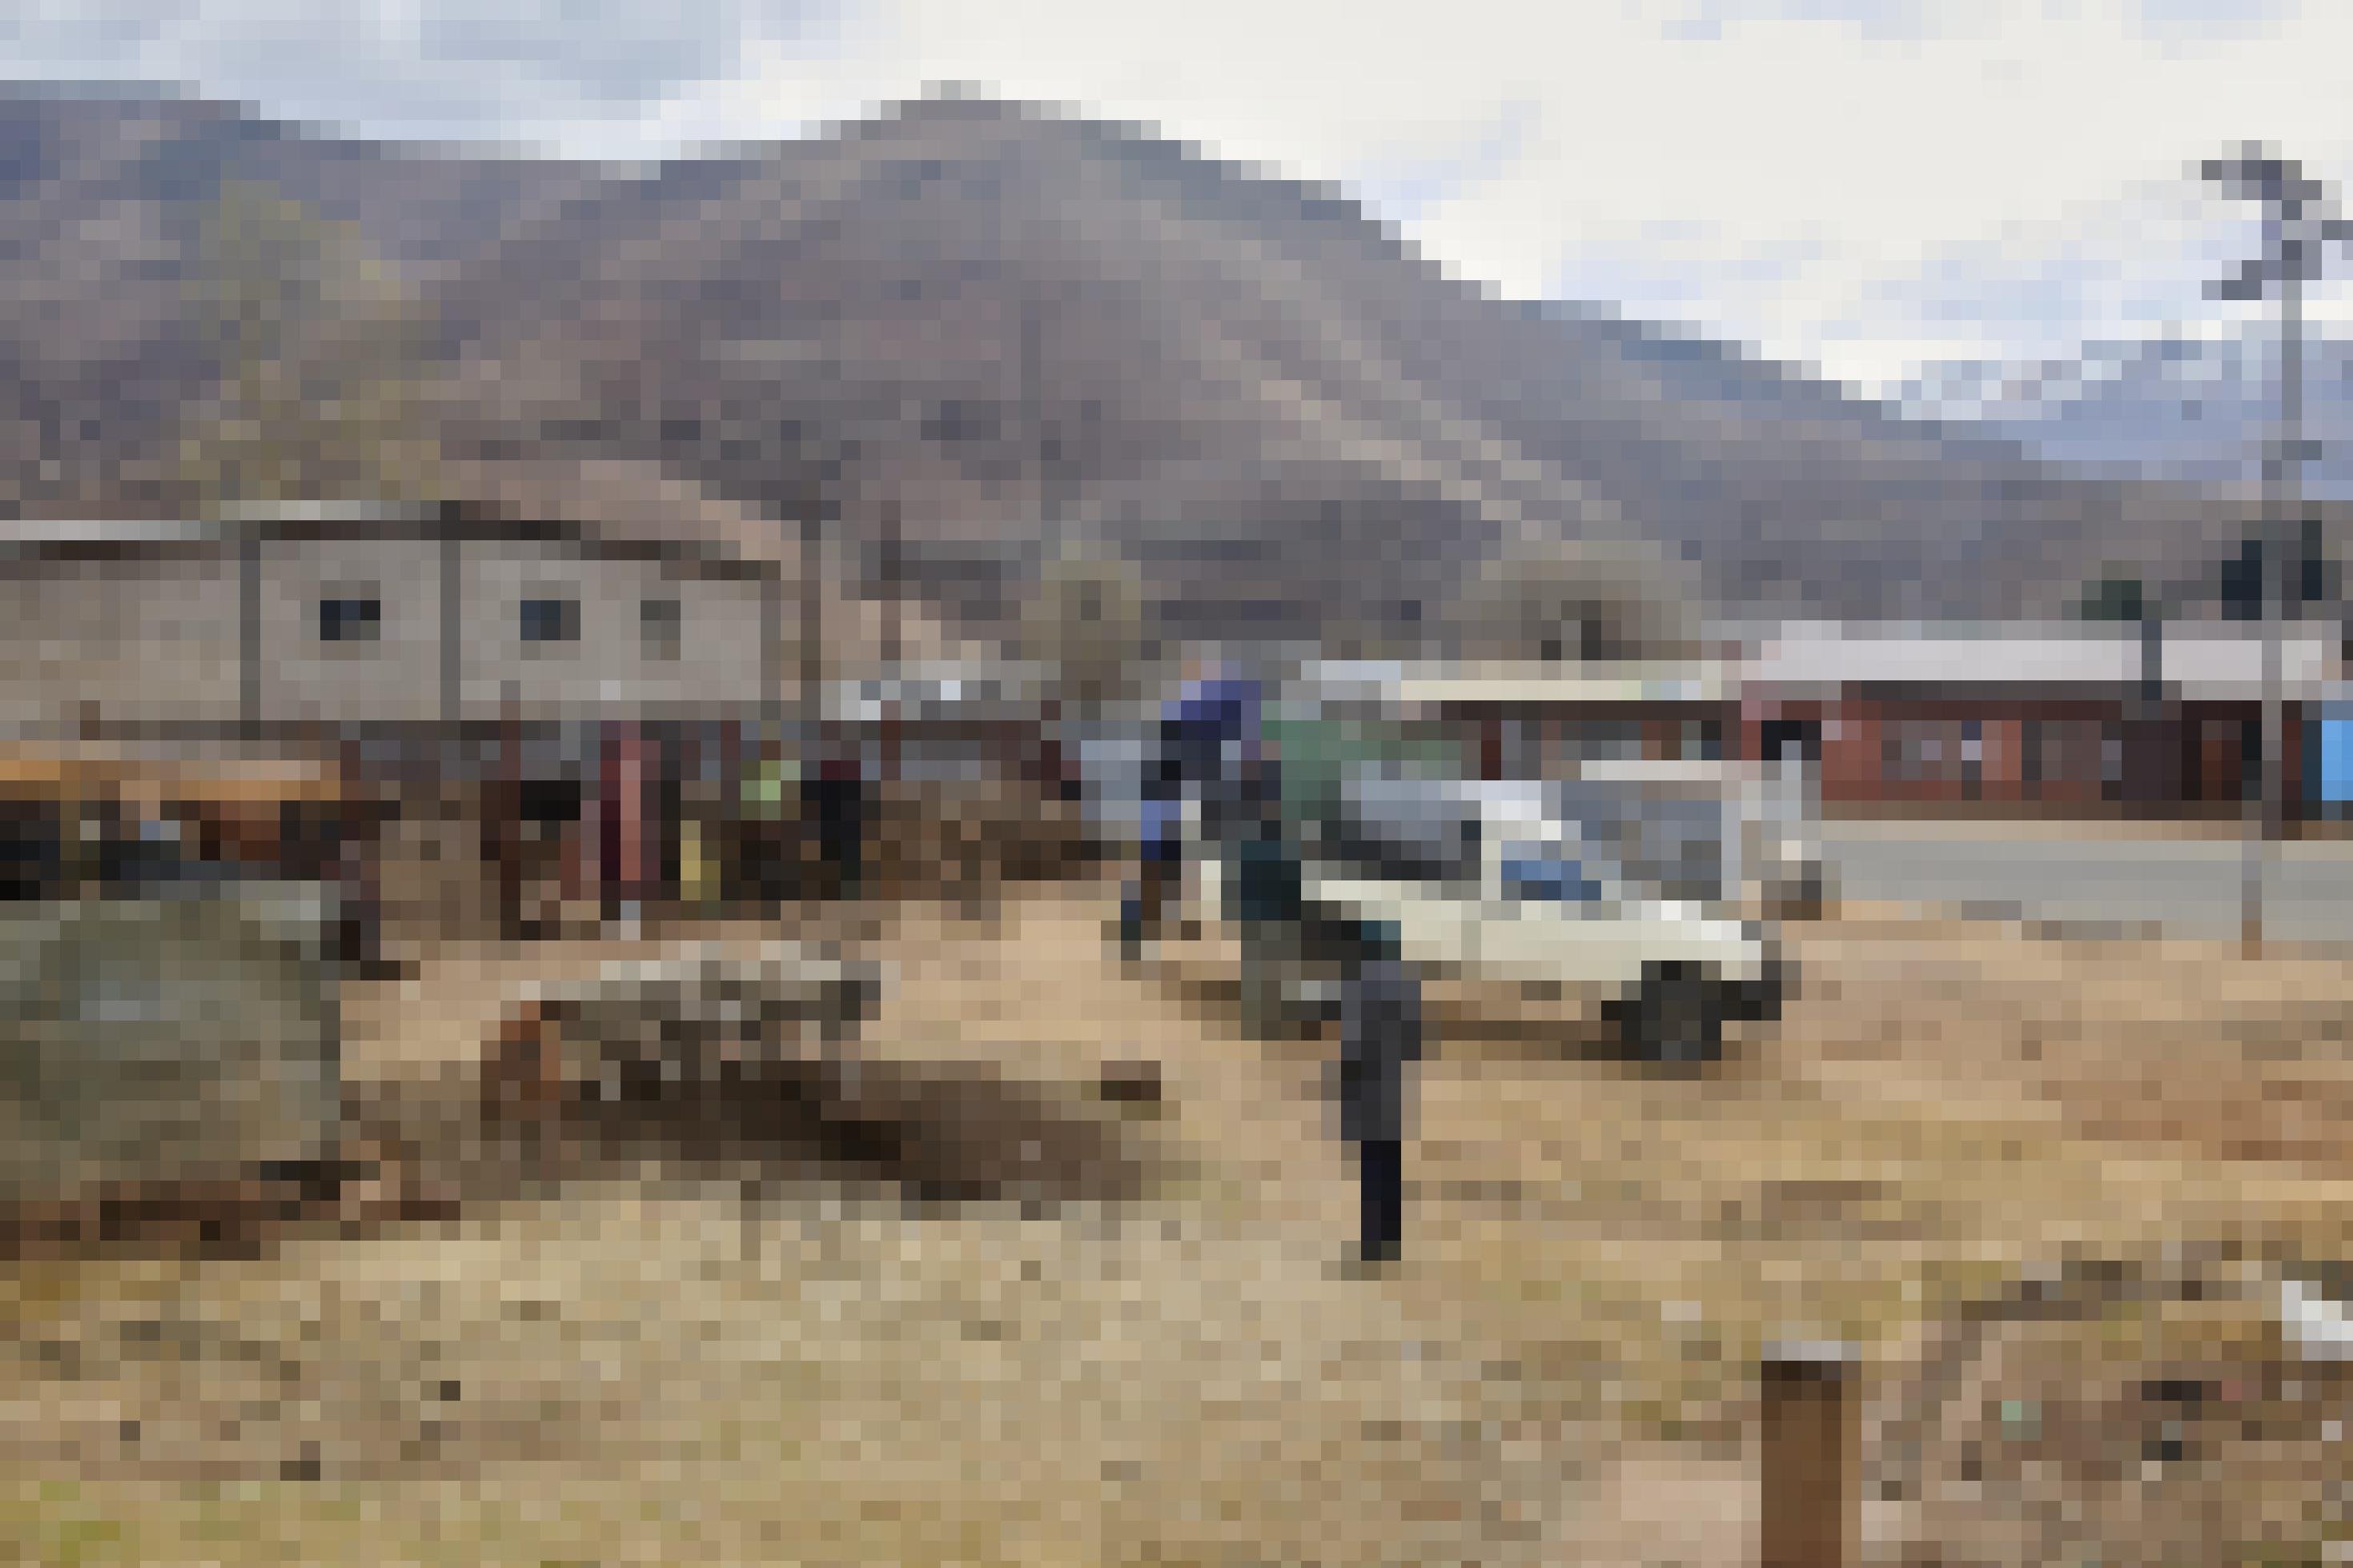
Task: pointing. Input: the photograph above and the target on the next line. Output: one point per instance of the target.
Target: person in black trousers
(1146, 902)
(1380, 1040)
(839, 794)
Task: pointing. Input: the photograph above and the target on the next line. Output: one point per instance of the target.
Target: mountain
(938, 327)
(2192, 409)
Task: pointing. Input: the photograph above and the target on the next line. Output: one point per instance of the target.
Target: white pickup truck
(1645, 888)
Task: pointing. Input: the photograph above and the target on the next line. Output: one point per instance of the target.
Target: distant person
(1201, 739)
(360, 924)
(1380, 1040)
(1144, 912)
(841, 807)
(762, 870)
(1146, 902)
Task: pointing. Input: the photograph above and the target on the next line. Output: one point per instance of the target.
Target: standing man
(1144, 909)
(761, 865)
(354, 836)
(1380, 1040)
(838, 798)
(1144, 913)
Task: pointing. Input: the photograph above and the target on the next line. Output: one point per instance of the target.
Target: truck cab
(1642, 889)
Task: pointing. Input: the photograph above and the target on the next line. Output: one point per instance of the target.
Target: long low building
(2154, 718)
(2064, 718)
(376, 616)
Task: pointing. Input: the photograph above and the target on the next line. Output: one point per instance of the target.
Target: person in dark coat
(1380, 1040)
(1170, 772)
(838, 802)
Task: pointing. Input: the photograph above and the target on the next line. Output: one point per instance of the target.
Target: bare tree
(1580, 601)
(1089, 622)
(322, 358)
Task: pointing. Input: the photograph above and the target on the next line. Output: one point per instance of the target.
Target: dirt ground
(735, 1337)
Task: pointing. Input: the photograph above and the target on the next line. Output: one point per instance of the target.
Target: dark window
(659, 620)
(350, 619)
(551, 620)
(1787, 741)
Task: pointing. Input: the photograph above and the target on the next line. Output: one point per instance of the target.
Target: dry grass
(654, 1363)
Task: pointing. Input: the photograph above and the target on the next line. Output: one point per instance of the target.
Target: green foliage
(1089, 620)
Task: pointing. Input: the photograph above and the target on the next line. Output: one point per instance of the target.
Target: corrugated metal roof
(55, 531)
(1522, 684)
(1816, 659)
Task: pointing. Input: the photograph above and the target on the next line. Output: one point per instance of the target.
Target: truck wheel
(1675, 1019)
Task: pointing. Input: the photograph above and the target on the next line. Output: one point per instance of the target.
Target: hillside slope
(946, 325)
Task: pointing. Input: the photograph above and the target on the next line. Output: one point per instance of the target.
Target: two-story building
(574, 678)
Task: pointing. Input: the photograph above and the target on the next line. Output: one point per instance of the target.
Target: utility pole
(2282, 497)
(2297, 226)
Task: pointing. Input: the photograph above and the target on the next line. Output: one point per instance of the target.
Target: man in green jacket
(1266, 882)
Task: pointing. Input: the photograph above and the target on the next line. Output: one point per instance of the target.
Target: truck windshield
(1581, 842)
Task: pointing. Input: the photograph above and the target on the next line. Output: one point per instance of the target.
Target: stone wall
(178, 1039)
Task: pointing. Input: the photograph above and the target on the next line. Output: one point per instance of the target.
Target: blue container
(2334, 778)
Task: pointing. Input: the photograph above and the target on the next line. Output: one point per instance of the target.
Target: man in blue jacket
(1203, 736)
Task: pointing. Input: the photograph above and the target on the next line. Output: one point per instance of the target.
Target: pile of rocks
(699, 1017)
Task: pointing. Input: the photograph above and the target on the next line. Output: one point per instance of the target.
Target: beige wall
(611, 668)
(157, 639)
(148, 641)
(396, 678)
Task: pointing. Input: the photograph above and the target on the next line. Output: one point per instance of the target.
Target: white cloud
(423, 69)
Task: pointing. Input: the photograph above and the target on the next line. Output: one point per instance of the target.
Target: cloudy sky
(1864, 185)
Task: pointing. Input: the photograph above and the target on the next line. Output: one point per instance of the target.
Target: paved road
(2186, 886)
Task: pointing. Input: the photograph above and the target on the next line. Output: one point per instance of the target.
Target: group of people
(1210, 765)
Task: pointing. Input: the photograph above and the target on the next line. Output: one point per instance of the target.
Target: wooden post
(1805, 1476)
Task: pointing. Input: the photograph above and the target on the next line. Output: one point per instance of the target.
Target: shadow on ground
(933, 1134)
(937, 1132)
